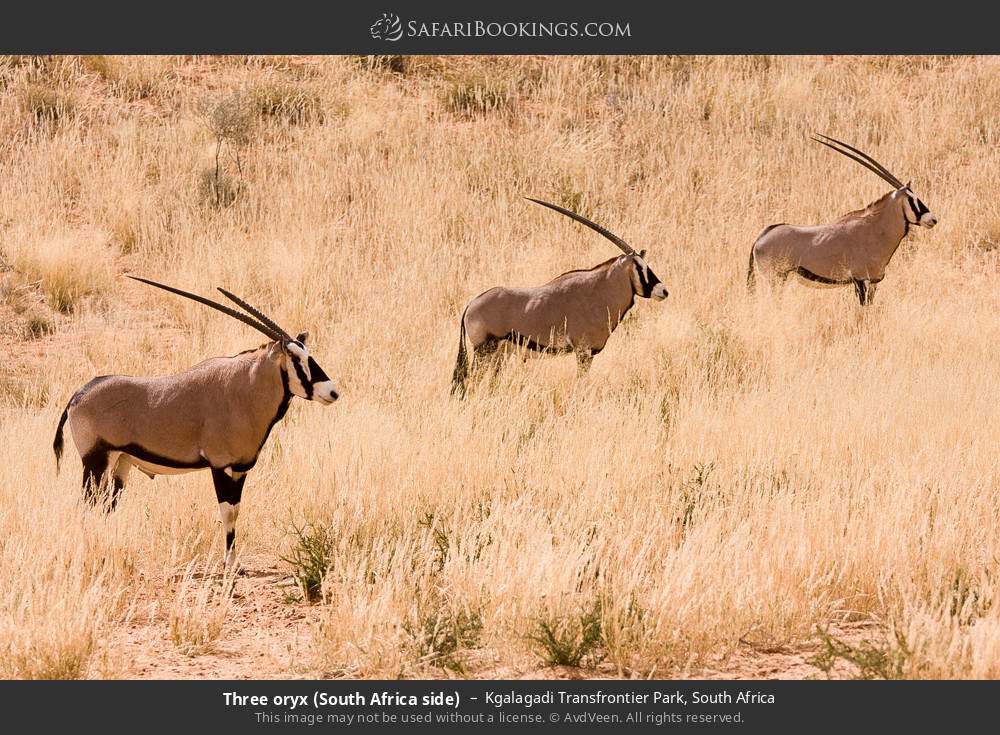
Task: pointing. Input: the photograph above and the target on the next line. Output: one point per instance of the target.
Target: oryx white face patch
(916, 211)
(306, 379)
(303, 356)
(324, 392)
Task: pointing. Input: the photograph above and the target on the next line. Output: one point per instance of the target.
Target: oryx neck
(873, 209)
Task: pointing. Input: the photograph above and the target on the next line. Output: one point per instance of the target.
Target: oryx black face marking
(647, 279)
(318, 376)
(304, 380)
(217, 415)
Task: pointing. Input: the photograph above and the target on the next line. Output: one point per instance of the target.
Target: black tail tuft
(461, 373)
(57, 443)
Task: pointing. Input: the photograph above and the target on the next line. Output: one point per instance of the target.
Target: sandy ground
(268, 636)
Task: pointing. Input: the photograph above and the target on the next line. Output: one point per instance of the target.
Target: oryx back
(576, 310)
(216, 415)
(185, 421)
(855, 249)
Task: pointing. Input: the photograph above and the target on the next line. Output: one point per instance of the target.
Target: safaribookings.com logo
(387, 28)
(390, 28)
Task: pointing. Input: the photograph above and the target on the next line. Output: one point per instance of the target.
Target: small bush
(46, 104)
(218, 189)
(478, 96)
(570, 640)
(291, 104)
(869, 660)
(310, 559)
(230, 119)
(395, 63)
(439, 636)
(37, 324)
(67, 266)
(131, 80)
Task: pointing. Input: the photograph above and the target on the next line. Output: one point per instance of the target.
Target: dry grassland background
(752, 485)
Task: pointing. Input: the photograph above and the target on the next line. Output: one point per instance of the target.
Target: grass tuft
(310, 558)
(569, 640)
(439, 636)
(868, 660)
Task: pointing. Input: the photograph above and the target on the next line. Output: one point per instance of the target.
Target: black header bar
(511, 27)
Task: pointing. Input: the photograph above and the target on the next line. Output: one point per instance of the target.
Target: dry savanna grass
(738, 477)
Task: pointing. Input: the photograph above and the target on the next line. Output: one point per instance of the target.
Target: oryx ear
(908, 183)
(302, 337)
(642, 253)
(293, 348)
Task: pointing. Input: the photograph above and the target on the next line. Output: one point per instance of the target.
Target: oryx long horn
(863, 158)
(625, 247)
(219, 307)
(256, 313)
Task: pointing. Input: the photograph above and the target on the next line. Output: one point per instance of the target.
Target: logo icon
(387, 28)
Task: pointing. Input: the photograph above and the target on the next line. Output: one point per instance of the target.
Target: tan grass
(203, 601)
(734, 471)
(66, 265)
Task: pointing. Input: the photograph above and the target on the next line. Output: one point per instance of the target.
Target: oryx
(575, 312)
(855, 249)
(216, 415)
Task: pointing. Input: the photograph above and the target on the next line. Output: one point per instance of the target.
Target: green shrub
(439, 636)
(310, 559)
(571, 640)
(869, 660)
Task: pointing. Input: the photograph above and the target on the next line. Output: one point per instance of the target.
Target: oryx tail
(57, 443)
(461, 362)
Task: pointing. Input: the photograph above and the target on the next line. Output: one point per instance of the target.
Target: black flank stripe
(531, 344)
(146, 455)
(810, 276)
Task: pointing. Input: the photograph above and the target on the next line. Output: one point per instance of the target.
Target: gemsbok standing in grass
(575, 312)
(216, 415)
(855, 249)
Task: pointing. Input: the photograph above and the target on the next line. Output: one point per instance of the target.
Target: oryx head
(914, 210)
(644, 281)
(304, 377)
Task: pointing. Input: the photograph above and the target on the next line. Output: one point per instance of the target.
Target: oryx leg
(228, 491)
(119, 476)
(488, 354)
(865, 291)
(102, 483)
